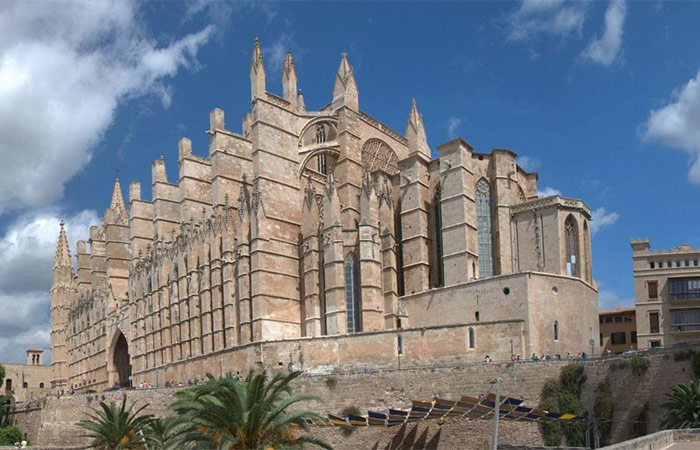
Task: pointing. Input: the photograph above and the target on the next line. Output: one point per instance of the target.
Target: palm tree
(682, 406)
(163, 433)
(226, 414)
(116, 427)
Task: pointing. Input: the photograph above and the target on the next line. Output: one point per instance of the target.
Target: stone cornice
(554, 200)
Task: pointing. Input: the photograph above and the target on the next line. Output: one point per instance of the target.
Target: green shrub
(639, 419)
(564, 396)
(639, 364)
(684, 355)
(10, 435)
(331, 382)
(572, 379)
(551, 388)
(604, 407)
(695, 363)
(553, 434)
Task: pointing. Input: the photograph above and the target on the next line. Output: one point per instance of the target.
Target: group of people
(544, 358)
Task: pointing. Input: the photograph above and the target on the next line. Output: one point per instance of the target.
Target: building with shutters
(667, 294)
(315, 239)
(618, 330)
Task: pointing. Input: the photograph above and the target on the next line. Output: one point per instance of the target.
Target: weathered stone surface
(321, 239)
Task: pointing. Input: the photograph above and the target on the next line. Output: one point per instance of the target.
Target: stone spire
(289, 80)
(415, 133)
(117, 203)
(62, 258)
(257, 72)
(345, 88)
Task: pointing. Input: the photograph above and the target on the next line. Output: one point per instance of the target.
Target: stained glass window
(352, 294)
(438, 242)
(571, 247)
(483, 224)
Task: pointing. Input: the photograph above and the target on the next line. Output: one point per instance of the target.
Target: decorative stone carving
(379, 157)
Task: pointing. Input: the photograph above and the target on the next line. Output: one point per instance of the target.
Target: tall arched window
(472, 338)
(587, 252)
(483, 228)
(572, 263)
(399, 249)
(352, 294)
(556, 330)
(439, 264)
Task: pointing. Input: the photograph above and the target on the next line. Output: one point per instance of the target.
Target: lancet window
(483, 228)
(439, 264)
(571, 236)
(352, 294)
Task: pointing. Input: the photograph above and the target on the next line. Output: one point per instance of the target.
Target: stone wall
(381, 389)
(538, 299)
(420, 347)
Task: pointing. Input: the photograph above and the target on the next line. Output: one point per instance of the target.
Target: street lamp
(511, 349)
(496, 412)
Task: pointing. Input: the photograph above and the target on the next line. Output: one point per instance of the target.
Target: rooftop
(605, 312)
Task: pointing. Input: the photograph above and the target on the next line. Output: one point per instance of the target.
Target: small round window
(506, 290)
(555, 290)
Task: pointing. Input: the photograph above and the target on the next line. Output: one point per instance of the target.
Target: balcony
(685, 327)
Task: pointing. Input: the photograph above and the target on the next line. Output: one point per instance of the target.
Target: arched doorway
(121, 362)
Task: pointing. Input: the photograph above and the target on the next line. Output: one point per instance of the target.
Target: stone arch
(119, 362)
(308, 134)
(330, 153)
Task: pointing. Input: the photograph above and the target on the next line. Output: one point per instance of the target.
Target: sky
(602, 99)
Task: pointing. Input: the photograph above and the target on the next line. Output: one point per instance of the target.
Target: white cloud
(554, 17)
(608, 299)
(453, 124)
(274, 54)
(603, 50)
(677, 125)
(27, 251)
(601, 218)
(528, 163)
(548, 191)
(64, 69)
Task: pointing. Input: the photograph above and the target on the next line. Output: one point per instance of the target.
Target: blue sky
(601, 98)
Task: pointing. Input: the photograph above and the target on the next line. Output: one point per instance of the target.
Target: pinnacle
(344, 70)
(62, 258)
(257, 52)
(414, 118)
(117, 203)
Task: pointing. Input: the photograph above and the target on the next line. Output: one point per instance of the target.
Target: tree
(682, 406)
(163, 433)
(227, 414)
(116, 427)
(4, 399)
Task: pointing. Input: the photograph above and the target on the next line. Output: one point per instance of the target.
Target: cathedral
(321, 240)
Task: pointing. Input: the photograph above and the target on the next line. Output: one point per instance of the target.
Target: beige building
(27, 381)
(667, 294)
(618, 330)
(316, 239)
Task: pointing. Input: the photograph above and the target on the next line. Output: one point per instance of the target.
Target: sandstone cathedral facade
(317, 240)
